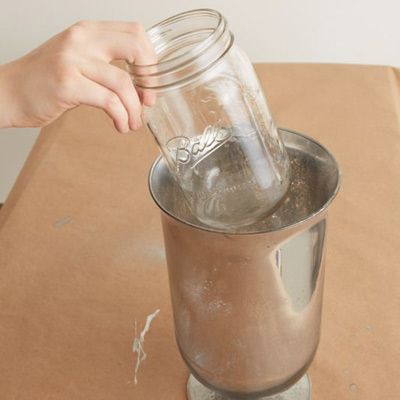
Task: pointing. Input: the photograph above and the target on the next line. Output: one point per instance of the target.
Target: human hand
(74, 68)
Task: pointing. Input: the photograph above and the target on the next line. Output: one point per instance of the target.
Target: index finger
(118, 26)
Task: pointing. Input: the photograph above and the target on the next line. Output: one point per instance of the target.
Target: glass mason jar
(211, 121)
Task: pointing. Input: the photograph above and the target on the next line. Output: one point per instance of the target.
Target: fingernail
(137, 125)
(126, 128)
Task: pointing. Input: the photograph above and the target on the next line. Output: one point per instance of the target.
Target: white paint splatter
(353, 387)
(139, 341)
(61, 222)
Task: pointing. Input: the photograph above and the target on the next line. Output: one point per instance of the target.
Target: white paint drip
(139, 341)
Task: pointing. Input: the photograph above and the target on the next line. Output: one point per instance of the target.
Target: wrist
(8, 97)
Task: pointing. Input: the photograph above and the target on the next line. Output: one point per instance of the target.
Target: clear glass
(212, 122)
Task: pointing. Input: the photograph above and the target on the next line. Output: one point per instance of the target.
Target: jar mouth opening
(180, 41)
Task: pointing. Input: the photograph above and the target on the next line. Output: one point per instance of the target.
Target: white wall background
(340, 31)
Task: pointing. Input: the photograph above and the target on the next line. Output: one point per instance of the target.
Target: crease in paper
(138, 343)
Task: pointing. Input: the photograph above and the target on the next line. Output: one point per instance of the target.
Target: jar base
(299, 391)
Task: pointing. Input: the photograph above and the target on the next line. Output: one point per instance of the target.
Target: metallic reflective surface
(301, 390)
(247, 304)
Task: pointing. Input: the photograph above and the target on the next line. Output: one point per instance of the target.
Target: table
(81, 253)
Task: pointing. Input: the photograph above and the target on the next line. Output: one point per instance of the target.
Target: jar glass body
(212, 122)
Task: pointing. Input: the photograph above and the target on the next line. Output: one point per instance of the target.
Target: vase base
(299, 391)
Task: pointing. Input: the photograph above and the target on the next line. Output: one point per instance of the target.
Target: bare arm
(74, 68)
